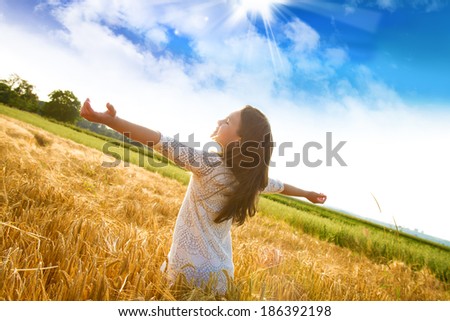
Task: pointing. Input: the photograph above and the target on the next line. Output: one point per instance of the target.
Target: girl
(223, 189)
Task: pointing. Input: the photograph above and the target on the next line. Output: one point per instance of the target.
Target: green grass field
(376, 242)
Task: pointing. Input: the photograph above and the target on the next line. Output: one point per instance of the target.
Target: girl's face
(227, 129)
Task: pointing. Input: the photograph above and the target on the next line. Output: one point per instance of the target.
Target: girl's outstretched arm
(135, 132)
(310, 196)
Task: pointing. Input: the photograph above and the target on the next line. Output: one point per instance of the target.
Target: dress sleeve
(274, 186)
(196, 161)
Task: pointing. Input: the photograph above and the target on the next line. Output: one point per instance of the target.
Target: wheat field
(71, 229)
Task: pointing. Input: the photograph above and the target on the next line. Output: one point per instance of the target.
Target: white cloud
(311, 61)
(305, 39)
(157, 36)
(335, 57)
(230, 51)
(387, 4)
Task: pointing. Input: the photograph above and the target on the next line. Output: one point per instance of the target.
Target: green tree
(63, 106)
(19, 93)
(5, 92)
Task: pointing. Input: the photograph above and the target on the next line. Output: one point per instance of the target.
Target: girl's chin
(214, 138)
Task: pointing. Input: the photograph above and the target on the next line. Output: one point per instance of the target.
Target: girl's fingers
(111, 109)
(321, 198)
(87, 106)
(83, 110)
(87, 112)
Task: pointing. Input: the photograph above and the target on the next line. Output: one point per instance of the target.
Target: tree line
(62, 106)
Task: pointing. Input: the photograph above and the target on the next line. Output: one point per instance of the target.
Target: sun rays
(260, 15)
(263, 8)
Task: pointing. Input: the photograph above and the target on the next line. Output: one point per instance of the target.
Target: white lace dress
(201, 248)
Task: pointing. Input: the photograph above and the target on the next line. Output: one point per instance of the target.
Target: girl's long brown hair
(249, 161)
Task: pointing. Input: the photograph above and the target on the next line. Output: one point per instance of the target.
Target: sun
(263, 8)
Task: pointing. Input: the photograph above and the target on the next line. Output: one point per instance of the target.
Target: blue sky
(374, 73)
(405, 44)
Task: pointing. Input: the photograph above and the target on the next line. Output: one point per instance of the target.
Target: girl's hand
(103, 118)
(316, 197)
